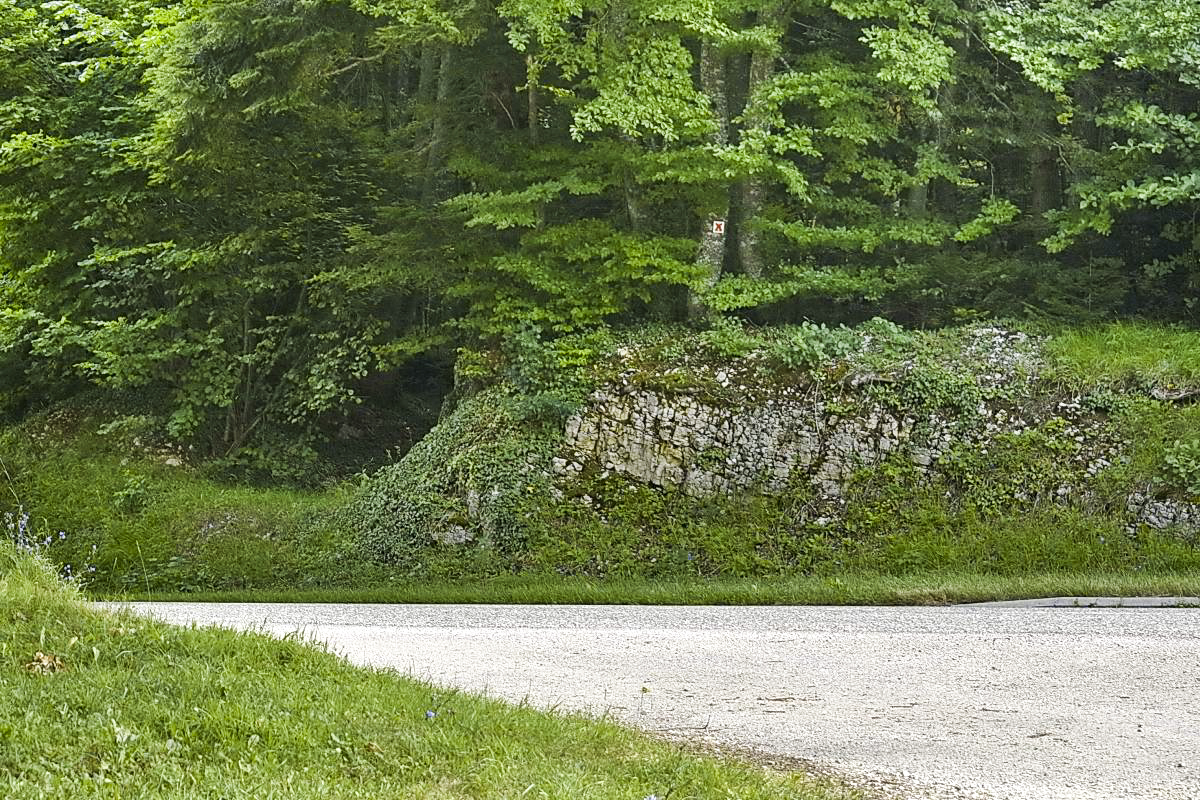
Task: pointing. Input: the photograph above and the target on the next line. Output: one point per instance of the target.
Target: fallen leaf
(45, 664)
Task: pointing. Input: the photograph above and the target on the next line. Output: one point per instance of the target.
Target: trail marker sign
(719, 227)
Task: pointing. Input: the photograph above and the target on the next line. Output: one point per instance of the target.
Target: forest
(345, 306)
(259, 217)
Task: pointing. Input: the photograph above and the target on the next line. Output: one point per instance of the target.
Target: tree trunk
(387, 85)
(917, 204)
(435, 183)
(634, 211)
(762, 69)
(533, 120)
(711, 253)
(938, 130)
(633, 203)
(1044, 190)
(427, 76)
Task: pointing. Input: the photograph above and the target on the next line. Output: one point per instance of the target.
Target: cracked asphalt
(908, 703)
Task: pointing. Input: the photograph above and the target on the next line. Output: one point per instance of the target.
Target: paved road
(995, 703)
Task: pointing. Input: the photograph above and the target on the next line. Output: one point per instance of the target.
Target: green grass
(1126, 352)
(919, 589)
(129, 708)
(155, 523)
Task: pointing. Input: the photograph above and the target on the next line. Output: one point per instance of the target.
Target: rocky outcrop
(822, 432)
(1163, 514)
(704, 449)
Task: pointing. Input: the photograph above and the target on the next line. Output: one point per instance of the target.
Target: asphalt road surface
(912, 703)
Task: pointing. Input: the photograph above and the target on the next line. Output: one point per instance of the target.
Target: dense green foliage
(256, 212)
(263, 240)
(103, 705)
(485, 472)
(474, 500)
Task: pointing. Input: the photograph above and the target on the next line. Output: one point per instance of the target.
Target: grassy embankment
(107, 706)
(1123, 353)
(173, 532)
(935, 588)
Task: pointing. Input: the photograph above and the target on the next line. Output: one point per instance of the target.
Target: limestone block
(455, 534)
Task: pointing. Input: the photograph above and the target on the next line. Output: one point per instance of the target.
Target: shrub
(471, 478)
(1182, 465)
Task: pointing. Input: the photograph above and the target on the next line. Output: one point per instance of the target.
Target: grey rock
(455, 534)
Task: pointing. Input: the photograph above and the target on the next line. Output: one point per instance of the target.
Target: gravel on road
(949, 703)
(1095, 602)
